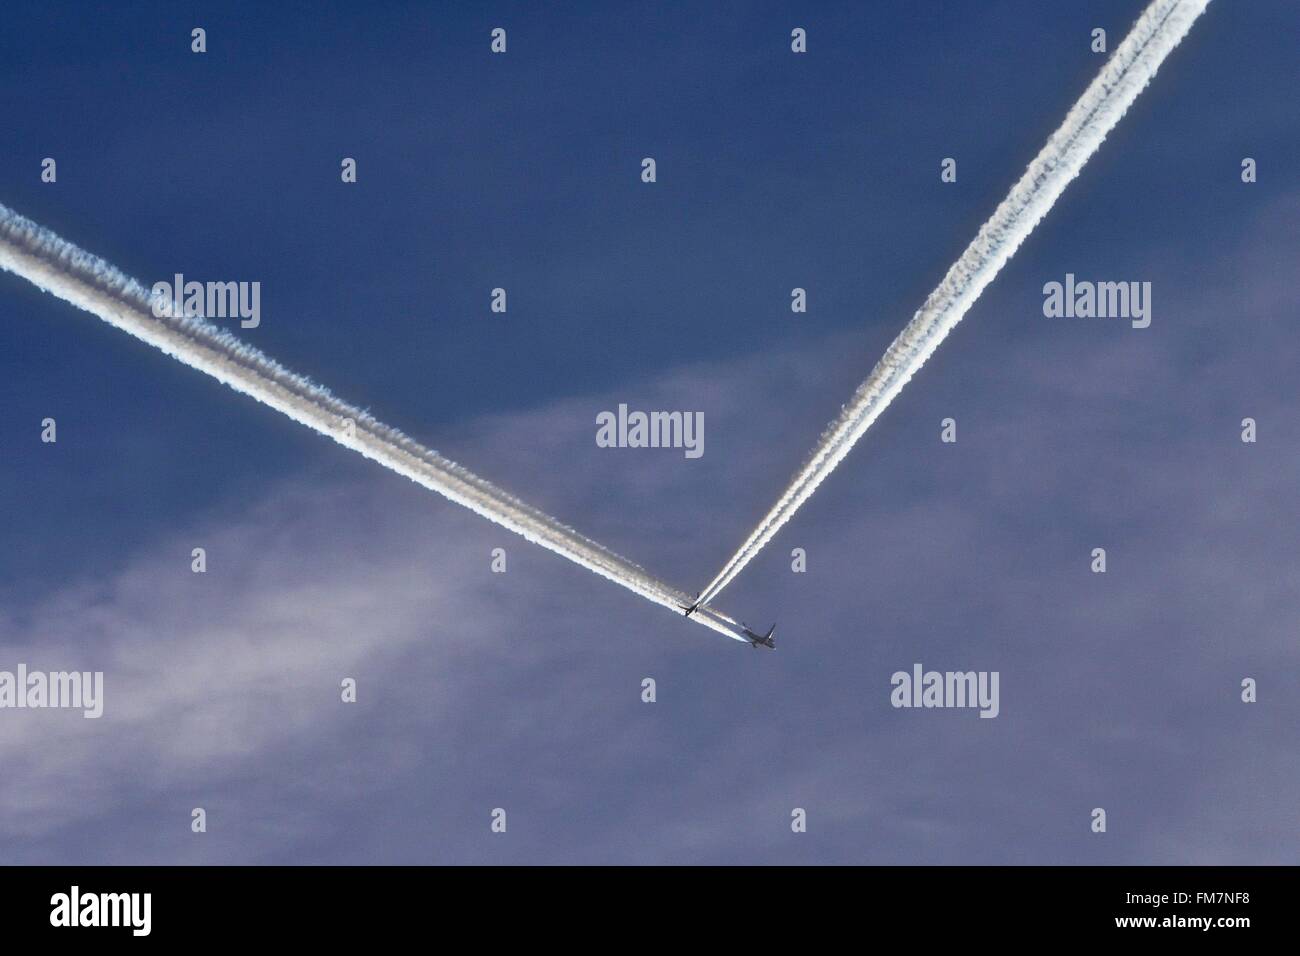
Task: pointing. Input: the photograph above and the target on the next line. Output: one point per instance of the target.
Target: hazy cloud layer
(521, 690)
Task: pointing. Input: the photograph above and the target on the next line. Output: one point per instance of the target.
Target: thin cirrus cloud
(522, 690)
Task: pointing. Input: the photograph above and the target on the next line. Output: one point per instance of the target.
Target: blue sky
(523, 690)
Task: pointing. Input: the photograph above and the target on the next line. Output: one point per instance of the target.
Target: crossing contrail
(1155, 34)
(90, 283)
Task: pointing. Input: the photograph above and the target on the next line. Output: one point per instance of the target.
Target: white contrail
(90, 283)
(1160, 28)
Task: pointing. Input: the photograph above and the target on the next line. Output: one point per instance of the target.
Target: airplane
(756, 639)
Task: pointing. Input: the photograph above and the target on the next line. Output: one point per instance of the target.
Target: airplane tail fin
(768, 639)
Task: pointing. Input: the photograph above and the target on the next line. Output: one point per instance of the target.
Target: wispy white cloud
(522, 690)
